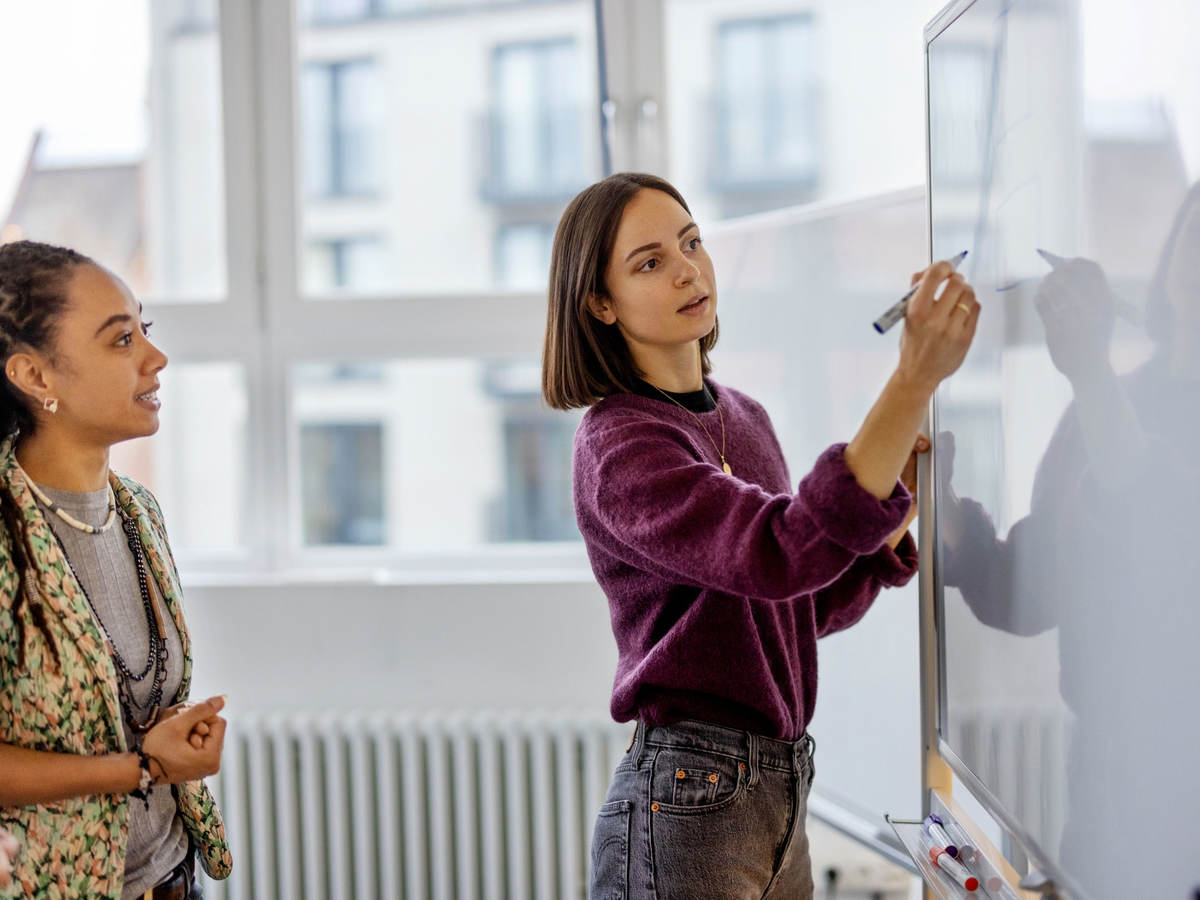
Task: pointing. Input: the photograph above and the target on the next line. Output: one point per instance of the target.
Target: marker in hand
(900, 307)
(1122, 308)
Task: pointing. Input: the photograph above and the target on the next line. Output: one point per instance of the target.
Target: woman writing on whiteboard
(720, 574)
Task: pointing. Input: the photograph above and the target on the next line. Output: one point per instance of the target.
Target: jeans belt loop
(638, 750)
(752, 746)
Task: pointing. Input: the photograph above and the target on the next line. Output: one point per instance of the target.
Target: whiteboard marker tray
(992, 885)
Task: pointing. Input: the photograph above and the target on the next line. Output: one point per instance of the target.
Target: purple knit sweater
(719, 586)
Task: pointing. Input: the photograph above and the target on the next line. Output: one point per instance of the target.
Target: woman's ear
(26, 375)
(601, 308)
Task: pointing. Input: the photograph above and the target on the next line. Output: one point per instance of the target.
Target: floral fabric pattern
(58, 693)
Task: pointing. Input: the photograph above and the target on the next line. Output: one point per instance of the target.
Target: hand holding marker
(900, 307)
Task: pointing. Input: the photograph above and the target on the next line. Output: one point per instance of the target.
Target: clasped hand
(186, 743)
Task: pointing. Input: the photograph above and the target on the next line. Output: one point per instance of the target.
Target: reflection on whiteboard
(1067, 463)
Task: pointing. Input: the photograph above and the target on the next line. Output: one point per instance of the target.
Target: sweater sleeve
(660, 508)
(847, 600)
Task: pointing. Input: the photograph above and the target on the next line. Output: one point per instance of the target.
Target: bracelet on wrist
(145, 779)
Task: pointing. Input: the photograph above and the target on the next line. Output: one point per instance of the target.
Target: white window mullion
(273, 86)
(634, 44)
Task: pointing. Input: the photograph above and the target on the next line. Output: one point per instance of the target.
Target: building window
(341, 112)
(351, 264)
(537, 503)
(341, 469)
(536, 123)
(193, 16)
(766, 116)
(323, 11)
(523, 255)
(536, 447)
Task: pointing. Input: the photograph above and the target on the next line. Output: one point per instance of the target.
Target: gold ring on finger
(963, 307)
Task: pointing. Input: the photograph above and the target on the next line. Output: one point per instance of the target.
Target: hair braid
(22, 553)
(33, 279)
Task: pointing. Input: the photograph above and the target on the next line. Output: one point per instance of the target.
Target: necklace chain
(721, 452)
(157, 654)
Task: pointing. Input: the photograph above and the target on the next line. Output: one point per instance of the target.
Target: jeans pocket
(610, 852)
(687, 781)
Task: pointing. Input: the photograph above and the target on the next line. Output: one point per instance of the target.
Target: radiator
(413, 808)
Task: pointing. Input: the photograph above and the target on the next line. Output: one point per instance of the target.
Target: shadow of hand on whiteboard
(1109, 555)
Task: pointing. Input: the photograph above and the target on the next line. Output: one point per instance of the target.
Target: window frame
(269, 327)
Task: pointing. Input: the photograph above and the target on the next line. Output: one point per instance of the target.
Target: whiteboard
(1066, 470)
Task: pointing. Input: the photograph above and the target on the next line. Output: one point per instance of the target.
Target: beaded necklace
(66, 516)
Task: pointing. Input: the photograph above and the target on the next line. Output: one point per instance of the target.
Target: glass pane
(431, 456)
(773, 105)
(196, 464)
(452, 136)
(117, 154)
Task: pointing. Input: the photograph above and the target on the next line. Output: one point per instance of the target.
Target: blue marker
(1122, 308)
(900, 307)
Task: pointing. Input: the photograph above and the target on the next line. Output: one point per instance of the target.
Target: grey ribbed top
(104, 564)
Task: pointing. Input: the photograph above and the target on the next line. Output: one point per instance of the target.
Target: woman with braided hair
(101, 757)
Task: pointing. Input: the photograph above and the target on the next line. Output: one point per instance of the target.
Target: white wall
(414, 647)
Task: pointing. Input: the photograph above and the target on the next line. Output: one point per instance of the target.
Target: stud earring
(50, 404)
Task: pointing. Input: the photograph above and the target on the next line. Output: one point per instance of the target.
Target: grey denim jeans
(703, 812)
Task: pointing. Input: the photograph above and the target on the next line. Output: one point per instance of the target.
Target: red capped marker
(953, 868)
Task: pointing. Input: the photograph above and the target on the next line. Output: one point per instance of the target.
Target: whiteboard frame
(941, 759)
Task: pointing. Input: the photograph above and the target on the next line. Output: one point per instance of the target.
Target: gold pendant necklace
(721, 453)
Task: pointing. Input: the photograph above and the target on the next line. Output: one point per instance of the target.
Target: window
(452, 127)
(321, 11)
(193, 15)
(119, 158)
(536, 123)
(428, 456)
(340, 104)
(341, 469)
(766, 112)
(536, 445)
(358, 263)
(523, 255)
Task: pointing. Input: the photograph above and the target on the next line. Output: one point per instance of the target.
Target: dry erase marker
(896, 313)
(952, 867)
(965, 851)
(1122, 308)
(933, 828)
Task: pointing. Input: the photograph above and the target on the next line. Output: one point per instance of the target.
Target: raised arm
(687, 521)
(937, 334)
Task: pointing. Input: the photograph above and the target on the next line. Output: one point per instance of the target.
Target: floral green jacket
(64, 699)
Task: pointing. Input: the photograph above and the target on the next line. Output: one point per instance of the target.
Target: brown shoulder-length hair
(584, 360)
